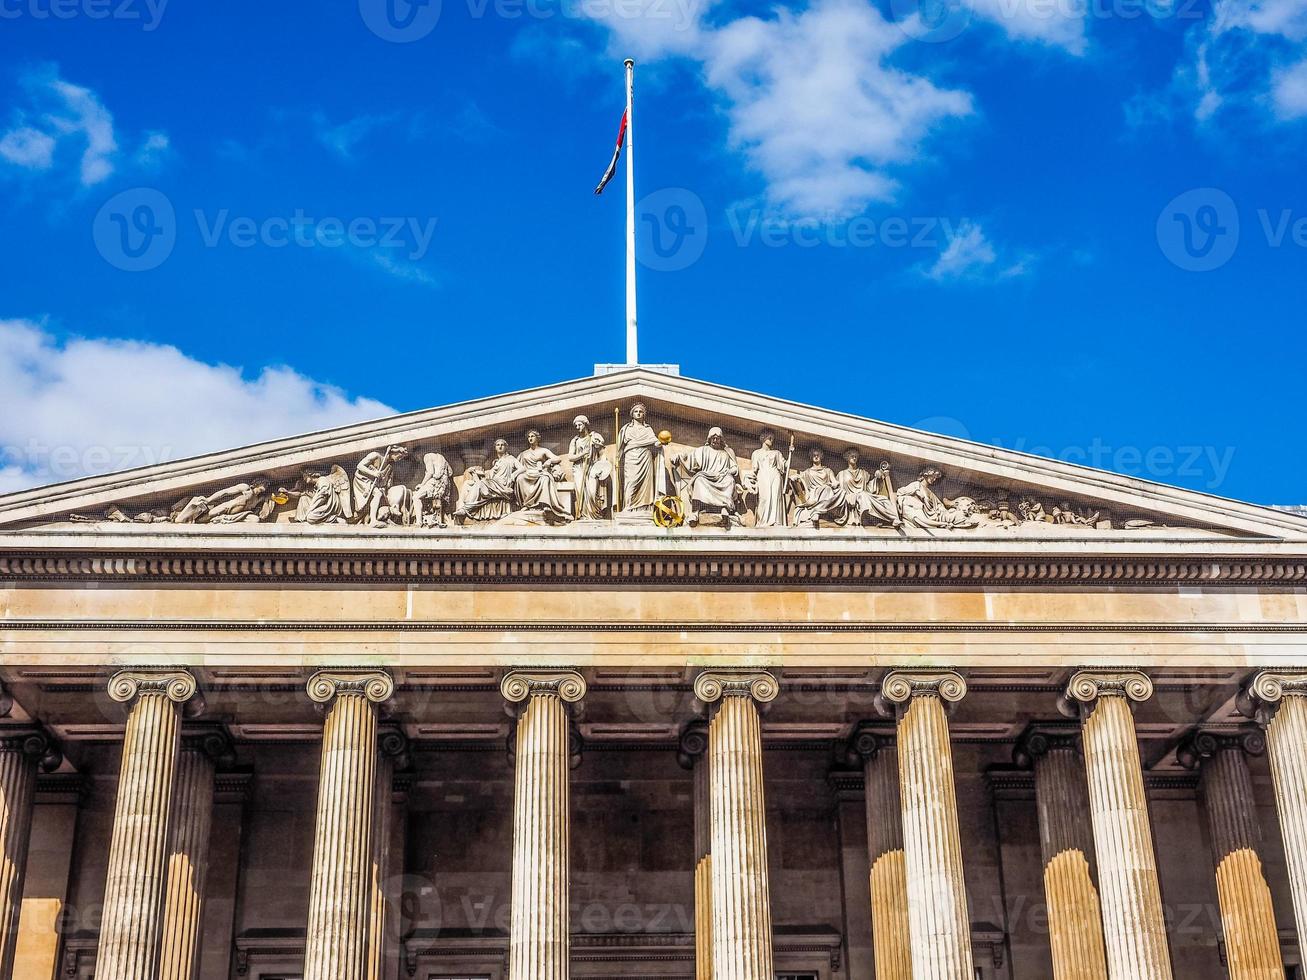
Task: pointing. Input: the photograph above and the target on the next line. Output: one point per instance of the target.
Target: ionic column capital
(566, 684)
(393, 744)
(34, 743)
(1039, 740)
(867, 742)
(1202, 744)
(1261, 697)
(210, 741)
(692, 744)
(327, 685)
(1086, 687)
(713, 685)
(899, 687)
(178, 685)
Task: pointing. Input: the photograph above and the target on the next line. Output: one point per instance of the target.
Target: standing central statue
(640, 457)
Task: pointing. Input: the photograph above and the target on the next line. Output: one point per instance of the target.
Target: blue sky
(1073, 227)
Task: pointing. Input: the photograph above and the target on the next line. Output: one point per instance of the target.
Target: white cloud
(59, 117)
(344, 138)
(1289, 90)
(90, 405)
(817, 109)
(970, 256)
(28, 148)
(1249, 56)
(1057, 23)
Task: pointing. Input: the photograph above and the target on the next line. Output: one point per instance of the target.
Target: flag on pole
(617, 155)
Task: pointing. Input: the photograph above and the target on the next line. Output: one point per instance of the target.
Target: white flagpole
(632, 346)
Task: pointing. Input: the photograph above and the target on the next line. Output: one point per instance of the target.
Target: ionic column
(188, 853)
(1252, 941)
(939, 925)
(1134, 929)
(1075, 924)
(891, 945)
(132, 923)
(22, 753)
(1278, 701)
(741, 895)
(392, 753)
(340, 897)
(539, 946)
(693, 755)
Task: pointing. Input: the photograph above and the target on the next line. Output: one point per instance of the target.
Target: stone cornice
(953, 564)
(711, 686)
(125, 686)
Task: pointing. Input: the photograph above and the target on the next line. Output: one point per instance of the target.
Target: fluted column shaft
(890, 930)
(539, 947)
(392, 745)
(340, 895)
(702, 867)
(188, 863)
(1075, 924)
(132, 921)
(1278, 701)
(19, 757)
(1134, 928)
(741, 897)
(1252, 941)
(939, 924)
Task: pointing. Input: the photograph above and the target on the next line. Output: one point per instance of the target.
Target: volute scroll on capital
(178, 685)
(34, 743)
(899, 687)
(1086, 687)
(713, 685)
(324, 686)
(866, 742)
(1202, 744)
(692, 744)
(1261, 697)
(566, 684)
(1039, 740)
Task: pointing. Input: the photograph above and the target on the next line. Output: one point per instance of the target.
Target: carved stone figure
(435, 494)
(1032, 510)
(489, 493)
(768, 482)
(868, 496)
(1065, 515)
(373, 478)
(244, 502)
(713, 477)
(920, 505)
(591, 473)
(822, 499)
(639, 456)
(1003, 515)
(538, 475)
(324, 498)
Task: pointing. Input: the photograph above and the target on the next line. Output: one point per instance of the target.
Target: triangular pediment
(324, 480)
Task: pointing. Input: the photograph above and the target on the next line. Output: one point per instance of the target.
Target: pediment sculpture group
(584, 484)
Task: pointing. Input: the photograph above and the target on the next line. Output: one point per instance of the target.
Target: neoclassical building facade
(643, 677)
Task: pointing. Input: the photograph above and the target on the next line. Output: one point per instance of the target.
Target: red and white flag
(617, 155)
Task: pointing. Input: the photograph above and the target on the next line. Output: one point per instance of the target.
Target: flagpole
(632, 345)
